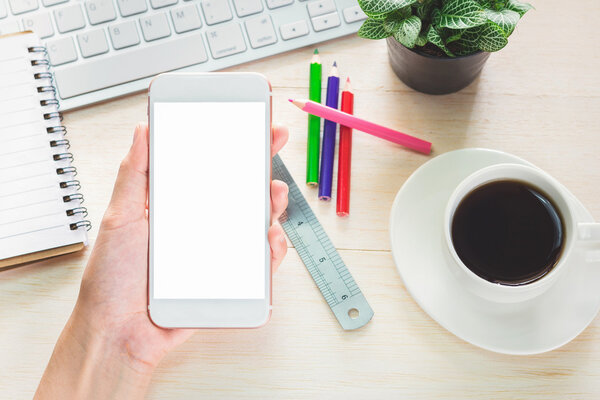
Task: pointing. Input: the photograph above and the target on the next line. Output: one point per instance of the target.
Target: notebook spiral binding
(51, 105)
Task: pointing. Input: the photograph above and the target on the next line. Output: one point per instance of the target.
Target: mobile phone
(209, 206)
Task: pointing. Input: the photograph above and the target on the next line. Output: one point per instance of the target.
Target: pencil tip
(335, 64)
(348, 85)
(316, 51)
(290, 100)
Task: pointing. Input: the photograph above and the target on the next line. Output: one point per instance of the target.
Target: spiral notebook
(40, 204)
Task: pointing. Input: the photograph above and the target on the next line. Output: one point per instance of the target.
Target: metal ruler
(320, 256)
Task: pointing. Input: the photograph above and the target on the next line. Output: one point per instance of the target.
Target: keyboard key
(155, 27)
(320, 7)
(92, 42)
(23, 6)
(3, 10)
(260, 31)
(162, 3)
(49, 3)
(353, 14)
(226, 40)
(131, 7)
(216, 11)
(9, 27)
(327, 21)
(186, 18)
(40, 23)
(61, 51)
(100, 11)
(127, 66)
(278, 3)
(293, 30)
(124, 35)
(247, 7)
(69, 18)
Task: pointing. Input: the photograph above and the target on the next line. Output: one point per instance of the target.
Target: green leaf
(460, 14)
(373, 29)
(518, 6)
(436, 17)
(393, 21)
(423, 8)
(404, 12)
(422, 38)
(468, 42)
(391, 25)
(434, 37)
(506, 19)
(454, 35)
(378, 9)
(408, 31)
(491, 37)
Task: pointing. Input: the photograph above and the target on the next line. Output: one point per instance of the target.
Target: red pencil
(345, 155)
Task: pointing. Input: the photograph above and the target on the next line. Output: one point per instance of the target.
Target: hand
(110, 319)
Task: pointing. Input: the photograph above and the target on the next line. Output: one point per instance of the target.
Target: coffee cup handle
(589, 236)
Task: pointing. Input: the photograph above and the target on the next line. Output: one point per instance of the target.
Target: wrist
(109, 344)
(93, 364)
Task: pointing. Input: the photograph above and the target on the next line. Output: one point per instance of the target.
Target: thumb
(131, 187)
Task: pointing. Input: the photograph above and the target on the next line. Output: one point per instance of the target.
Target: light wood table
(539, 98)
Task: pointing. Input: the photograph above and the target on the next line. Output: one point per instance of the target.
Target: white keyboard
(100, 49)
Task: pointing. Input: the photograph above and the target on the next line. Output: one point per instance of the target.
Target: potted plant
(440, 46)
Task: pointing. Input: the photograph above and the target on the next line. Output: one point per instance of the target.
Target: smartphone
(209, 206)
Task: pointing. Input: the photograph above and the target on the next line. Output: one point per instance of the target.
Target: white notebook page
(33, 214)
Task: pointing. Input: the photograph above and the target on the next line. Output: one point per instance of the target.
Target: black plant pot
(434, 75)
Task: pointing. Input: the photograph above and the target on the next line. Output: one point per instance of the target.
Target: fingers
(280, 138)
(130, 192)
(278, 246)
(279, 199)
(279, 202)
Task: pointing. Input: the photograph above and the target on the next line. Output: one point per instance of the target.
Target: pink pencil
(351, 121)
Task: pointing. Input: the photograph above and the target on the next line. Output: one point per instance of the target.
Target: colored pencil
(314, 123)
(345, 155)
(382, 132)
(329, 128)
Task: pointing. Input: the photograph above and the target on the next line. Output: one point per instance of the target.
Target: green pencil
(314, 123)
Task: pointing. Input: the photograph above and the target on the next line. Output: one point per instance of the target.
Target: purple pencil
(329, 128)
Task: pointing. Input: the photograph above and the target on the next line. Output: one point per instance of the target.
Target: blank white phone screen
(209, 200)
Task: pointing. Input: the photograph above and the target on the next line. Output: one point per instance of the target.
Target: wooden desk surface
(539, 98)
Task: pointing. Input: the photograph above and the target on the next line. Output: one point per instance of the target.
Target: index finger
(280, 138)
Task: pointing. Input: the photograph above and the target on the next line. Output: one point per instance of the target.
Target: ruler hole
(353, 313)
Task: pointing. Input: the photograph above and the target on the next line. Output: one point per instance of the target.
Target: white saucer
(542, 324)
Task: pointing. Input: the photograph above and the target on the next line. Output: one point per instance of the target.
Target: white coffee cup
(578, 235)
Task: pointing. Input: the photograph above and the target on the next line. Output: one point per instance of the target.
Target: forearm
(90, 365)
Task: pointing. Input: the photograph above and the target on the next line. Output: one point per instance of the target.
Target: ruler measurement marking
(320, 257)
(316, 272)
(329, 296)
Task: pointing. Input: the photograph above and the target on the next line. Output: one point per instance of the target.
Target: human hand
(111, 313)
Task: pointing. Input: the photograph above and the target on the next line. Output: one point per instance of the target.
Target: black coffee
(508, 232)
